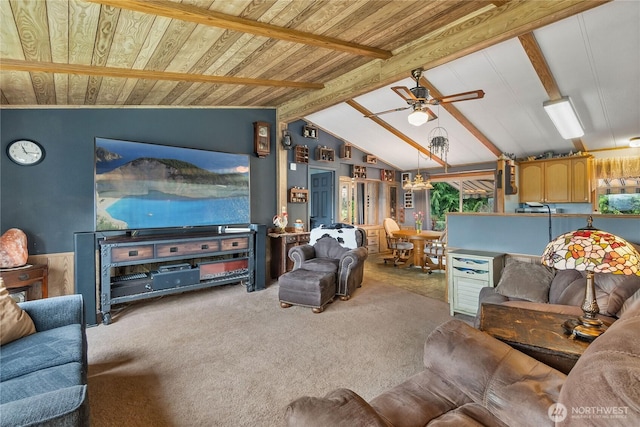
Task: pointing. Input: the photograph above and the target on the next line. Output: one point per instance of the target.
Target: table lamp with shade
(594, 251)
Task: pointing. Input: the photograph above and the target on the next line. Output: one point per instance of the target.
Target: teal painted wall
(528, 233)
(54, 199)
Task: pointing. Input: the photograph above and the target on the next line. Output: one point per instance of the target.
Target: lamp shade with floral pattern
(592, 250)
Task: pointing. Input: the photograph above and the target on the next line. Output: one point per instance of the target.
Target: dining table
(418, 239)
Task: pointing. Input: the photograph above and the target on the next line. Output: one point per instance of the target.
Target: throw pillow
(617, 289)
(14, 322)
(628, 303)
(523, 280)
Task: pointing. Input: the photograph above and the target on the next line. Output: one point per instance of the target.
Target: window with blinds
(618, 188)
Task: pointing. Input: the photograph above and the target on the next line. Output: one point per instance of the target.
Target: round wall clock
(25, 153)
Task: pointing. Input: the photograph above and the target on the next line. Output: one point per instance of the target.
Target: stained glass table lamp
(594, 251)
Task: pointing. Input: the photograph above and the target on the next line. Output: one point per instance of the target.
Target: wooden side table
(538, 334)
(32, 278)
(280, 245)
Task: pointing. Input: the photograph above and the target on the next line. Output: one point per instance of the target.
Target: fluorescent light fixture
(634, 142)
(564, 117)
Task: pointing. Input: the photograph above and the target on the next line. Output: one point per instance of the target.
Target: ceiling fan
(419, 100)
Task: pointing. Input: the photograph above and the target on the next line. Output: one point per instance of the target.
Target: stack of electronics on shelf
(172, 276)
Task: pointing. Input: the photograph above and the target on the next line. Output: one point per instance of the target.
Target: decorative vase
(419, 227)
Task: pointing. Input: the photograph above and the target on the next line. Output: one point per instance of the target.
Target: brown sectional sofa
(525, 283)
(472, 379)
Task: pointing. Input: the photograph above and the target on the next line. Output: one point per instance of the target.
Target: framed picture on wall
(408, 200)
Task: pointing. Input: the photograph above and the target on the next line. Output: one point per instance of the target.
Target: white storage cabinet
(468, 272)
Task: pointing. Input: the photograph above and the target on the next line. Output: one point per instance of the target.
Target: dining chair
(435, 250)
(401, 250)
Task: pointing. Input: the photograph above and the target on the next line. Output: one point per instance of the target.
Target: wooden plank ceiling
(298, 56)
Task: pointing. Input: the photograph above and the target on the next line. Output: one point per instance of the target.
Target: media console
(141, 267)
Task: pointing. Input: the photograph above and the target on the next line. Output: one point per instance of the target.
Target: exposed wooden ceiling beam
(186, 12)
(540, 65)
(386, 126)
(457, 114)
(51, 67)
(458, 176)
(481, 31)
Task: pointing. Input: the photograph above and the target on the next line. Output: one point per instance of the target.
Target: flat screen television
(148, 186)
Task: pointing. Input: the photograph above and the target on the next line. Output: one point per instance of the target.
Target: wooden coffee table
(538, 334)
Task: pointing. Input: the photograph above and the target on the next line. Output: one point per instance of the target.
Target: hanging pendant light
(418, 182)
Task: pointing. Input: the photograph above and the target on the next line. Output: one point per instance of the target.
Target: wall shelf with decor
(371, 159)
(387, 175)
(345, 151)
(325, 154)
(358, 172)
(309, 131)
(298, 195)
(408, 200)
(301, 154)
(281, 243)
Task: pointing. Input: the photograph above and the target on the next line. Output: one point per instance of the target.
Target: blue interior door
(322, 207)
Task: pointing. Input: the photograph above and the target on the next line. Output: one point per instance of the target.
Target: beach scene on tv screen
(142, 185)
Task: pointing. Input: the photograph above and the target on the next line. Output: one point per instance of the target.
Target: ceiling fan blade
(387, 111)
(404, 93)
(463, 96)
(432, 115)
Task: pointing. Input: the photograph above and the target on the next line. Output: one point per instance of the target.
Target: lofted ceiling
(593, 57)
(331, 62)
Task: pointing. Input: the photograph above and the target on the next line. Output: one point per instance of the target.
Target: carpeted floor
(225, 357)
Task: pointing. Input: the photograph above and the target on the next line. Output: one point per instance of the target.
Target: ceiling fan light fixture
(418, 117)
(421, 115)
(564, 117)
(634, 142)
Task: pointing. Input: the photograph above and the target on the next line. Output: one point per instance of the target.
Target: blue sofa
(43, 379)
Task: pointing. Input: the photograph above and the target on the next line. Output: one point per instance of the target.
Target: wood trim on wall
(61, 280)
